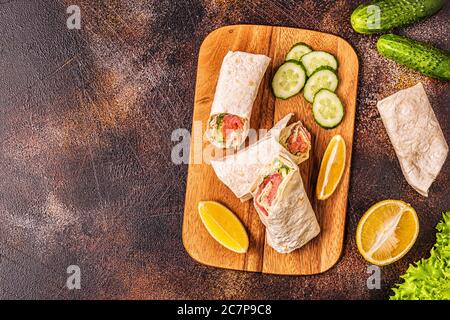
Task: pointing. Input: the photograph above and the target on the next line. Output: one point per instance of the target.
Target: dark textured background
(85, 124)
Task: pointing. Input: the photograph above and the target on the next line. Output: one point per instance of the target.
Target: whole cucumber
(419, 56)
(384, 15)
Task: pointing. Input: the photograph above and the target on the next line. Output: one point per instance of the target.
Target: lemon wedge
(223, 226)
(387, 231)
(331, 168)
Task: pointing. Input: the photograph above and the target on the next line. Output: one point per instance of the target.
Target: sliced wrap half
(297, 140)
(283, 206)
(240, 171)
(239, 79)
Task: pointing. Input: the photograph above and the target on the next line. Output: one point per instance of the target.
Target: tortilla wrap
(416, 136)
(289, 219)
(239, 171)
(237, 87)
(297, 131)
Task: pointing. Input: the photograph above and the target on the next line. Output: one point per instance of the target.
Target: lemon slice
(387, 231)
(223, 226)
(331, 168)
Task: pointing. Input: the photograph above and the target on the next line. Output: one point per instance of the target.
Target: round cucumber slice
(316, 59)
(322, 78)
(328, 110)
(297, 51)
(288, 80)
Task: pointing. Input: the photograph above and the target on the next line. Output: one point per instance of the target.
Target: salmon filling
(230, 124)
(268, 189)
(299, 140)
(226, 127)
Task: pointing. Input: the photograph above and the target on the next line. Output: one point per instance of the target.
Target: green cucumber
(316, 59)
(297, 51)
(219, 120)
(328, 110)
(284, 171)
(417, 55)
(322, 78)
(218, 135)
(384, 15)
(288, 80)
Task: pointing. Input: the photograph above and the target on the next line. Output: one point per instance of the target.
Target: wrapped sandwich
(297, 140)
(283, 205)
(239, 79)
(416, 136)
(239, 171)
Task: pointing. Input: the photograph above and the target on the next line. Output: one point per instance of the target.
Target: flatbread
(415, 133)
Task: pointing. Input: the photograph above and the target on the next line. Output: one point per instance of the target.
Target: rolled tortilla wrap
(283, 205)
(416, 136)
(239, 171)
(297, 140)
(239, 79)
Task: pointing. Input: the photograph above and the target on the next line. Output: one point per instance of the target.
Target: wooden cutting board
(324, 251)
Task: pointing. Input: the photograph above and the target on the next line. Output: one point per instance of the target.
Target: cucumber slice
(289, 79)
(316, 59)
(297, 51)
(284, 171)
(328, 110)
(322, 78)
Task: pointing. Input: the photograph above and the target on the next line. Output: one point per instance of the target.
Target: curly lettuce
(429, 279)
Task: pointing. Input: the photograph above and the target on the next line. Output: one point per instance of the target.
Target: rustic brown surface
(322, 252)
(86, 121)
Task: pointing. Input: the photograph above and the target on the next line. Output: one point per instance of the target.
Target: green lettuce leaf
(429, 279)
